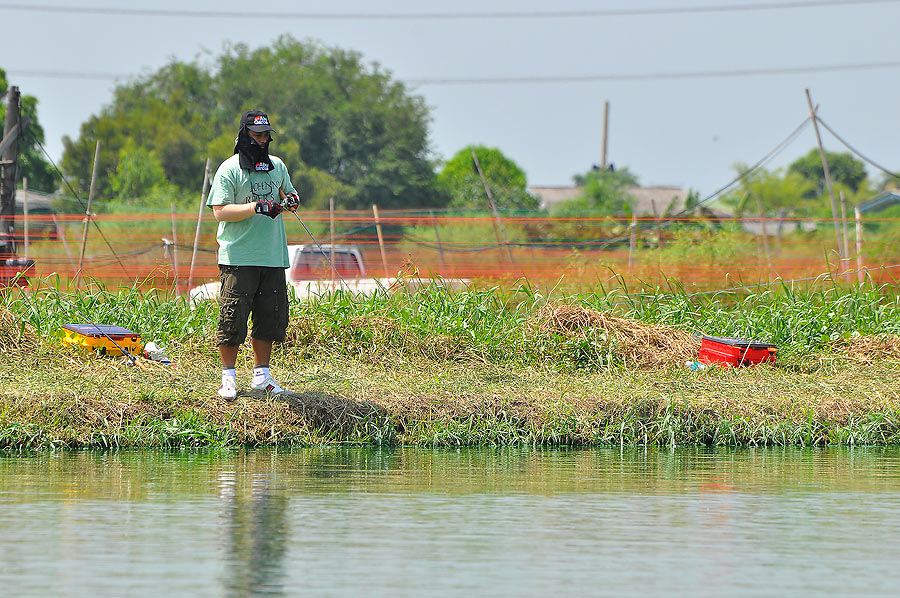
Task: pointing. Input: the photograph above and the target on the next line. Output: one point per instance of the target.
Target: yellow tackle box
(96, 337)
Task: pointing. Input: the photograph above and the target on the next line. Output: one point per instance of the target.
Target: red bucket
(735, 352)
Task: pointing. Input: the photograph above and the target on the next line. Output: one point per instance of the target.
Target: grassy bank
(478, 367)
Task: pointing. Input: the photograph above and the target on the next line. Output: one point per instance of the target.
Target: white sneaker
(228, 390)
(269, 385)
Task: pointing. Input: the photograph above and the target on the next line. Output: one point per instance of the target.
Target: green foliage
(602, 192)
(459, 179)
(774, 190)
(31, 161)
(796, 191)
(138, 173)
(715, 247)
(844, 169)
(346, 129)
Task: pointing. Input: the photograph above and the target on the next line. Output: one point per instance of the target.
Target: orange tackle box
(96, 337)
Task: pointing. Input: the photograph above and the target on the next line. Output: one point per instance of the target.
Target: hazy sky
(685, 131)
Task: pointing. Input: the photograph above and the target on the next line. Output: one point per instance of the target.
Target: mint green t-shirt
(257, 240)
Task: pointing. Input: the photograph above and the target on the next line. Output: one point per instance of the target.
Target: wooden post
(437, 236)
(174, 249)
(860, 268)
(834, 214)
(87, 213)
(765, 236)
(605, 133)
(493, 208)
(331, 220)
(632, 241)
(25, 213)
(190, 280)
(380, 240)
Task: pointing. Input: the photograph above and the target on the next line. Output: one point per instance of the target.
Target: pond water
(473, 522)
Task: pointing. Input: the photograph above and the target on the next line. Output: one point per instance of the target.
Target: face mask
(253, 156)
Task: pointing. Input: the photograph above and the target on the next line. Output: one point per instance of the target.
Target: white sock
(229, 373)
(260, 373)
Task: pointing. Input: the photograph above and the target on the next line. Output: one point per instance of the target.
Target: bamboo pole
(845, 259)
(190, 280)
(860, 268)
(497, 219)
(25, 213)
(87, 213)
(782, 214)
(437, 236)
(331, 221)
(174, 249)
(834, 213)
(658, 218)
(765, 236)
(61, 235)
(632, 242)
(380, 240)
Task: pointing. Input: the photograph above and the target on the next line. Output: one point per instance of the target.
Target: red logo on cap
(260, 120)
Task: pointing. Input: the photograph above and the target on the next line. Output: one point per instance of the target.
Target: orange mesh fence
(157, 249)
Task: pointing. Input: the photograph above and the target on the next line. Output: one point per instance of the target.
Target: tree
(31, 161)
(139, 173)
(775, 190)
(347, 127)
(460, 181)
(602, 191)
(844, 169)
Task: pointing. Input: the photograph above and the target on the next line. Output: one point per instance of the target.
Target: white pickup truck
(311, 275)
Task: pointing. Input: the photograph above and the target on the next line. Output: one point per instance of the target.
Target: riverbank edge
(108, 405)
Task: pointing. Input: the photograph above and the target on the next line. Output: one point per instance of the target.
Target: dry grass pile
(14, 333)
(869, 348)
(638, 344)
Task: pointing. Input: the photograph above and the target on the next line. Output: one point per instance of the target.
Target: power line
(419, 16)
(759, 164)
(657, 76)
(858, 153)
(710, 74)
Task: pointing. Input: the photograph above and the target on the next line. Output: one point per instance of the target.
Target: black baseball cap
(256, 121)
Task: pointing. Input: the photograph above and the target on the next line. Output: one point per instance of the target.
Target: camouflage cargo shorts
(251, 290)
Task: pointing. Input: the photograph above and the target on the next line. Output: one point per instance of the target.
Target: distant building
(647, 201)
(885, 199)
(550, 196)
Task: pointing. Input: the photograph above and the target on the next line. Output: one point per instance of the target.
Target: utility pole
(605, 134)
(8, 160)
(834, 211)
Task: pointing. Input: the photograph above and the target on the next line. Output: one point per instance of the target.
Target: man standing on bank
(245, 198)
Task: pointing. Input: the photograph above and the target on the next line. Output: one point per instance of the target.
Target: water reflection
(407, 522)
(255, 532)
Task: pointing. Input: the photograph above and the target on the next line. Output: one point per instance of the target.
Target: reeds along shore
(481, 366)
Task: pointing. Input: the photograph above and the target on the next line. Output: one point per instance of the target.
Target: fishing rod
(322, 251)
